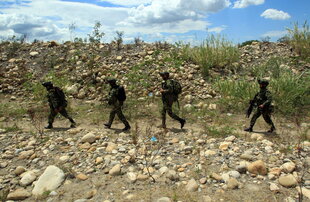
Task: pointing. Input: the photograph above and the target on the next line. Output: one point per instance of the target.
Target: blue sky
(152, 20)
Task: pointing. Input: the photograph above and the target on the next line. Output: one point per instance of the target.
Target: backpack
(177, 88)
(121, 94)
(61, 95)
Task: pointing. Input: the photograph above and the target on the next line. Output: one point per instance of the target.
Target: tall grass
(214, 52)
(291, 92)
(299, 38)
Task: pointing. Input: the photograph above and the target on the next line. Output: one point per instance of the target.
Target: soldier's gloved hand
(261, 106)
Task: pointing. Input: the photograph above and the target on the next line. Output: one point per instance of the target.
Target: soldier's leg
(64, 113)
(253, 120)
(174, 116)
(171, 113)
(111, 117)
(51, 118)
(267, 118)
(163, 115)
(122, 118)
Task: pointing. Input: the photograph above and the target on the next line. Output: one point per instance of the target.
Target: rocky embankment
(83, 165)
(85, 66)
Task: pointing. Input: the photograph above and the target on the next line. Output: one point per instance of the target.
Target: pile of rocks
(85, 66)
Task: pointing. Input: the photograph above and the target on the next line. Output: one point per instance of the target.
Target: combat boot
(249, 129)
(182, 122)
(73, 124)
(271, 129)
(126, 128)
(49, 126)
(107, 125)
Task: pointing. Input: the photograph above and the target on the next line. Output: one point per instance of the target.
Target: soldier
(58, 103)
(262, 101)
(116, 99)
(168, 97)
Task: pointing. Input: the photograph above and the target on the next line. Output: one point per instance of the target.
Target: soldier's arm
(169, 86)
(269, 99)
(253, 101)
(112, 96)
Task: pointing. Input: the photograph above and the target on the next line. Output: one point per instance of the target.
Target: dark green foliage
(248, 43)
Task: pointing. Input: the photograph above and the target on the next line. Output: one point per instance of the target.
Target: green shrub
(37, 90)
(300, 40)
(248, 43)
(215, 52)
(291, 92)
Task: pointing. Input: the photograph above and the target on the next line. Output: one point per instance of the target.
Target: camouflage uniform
(168, 98)
(263, 97)
(56, 103)
(116, 108)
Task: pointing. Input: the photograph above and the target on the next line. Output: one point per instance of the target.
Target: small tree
(138, 41)
(266, 39)
(96, 36)
(72, 28)
(119, 39)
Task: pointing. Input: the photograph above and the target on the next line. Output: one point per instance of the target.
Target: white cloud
(32, 26)
(246, 3)
(275, 33)
(217, 29)
(275, 14)
(128, 3)
(84, 15)
(173, 11)
(50, 19)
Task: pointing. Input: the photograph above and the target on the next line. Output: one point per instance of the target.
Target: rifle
(250, 109)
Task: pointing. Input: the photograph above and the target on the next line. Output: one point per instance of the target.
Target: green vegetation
(119, 39)
(11, 110)
(36, 88)
(216, 52)
(299, 38)
(9, 129)
(219, 132)
(96, 36)
(290, 91)
(248, 43)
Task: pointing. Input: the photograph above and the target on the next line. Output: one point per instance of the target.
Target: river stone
(19, 170)
(50, 180)
(89, 137)
(27, 178)
(19, 194)
(163, 199)
(288, 167)
(257, 167)
(232, 183)
(287, 180)
(116, 170)
(192, 185)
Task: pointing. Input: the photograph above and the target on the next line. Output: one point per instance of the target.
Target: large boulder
(50, 180)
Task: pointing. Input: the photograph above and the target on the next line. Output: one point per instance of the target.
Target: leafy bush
(291, 93)
(248, 43)
(36, 88)
(214, 52)
(300, 39)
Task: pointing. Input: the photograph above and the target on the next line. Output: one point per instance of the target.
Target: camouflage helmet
(263, 82)
(47, 83)
(164, 73)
